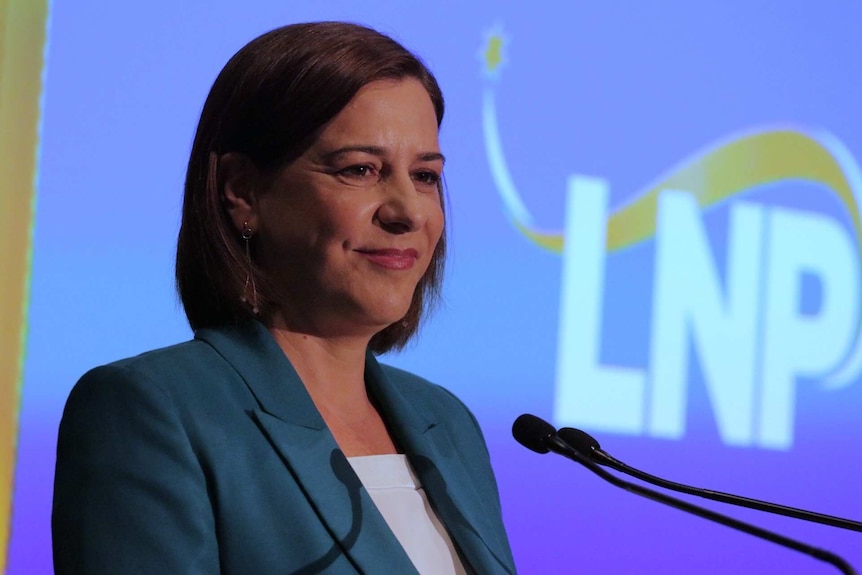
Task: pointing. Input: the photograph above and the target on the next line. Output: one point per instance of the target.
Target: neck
(333, 372)
(331, 368)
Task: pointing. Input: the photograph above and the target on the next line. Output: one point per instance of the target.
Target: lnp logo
(753, 340)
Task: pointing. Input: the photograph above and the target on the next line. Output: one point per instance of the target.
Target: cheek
(436, 224)
(302, 221)
(345, 222)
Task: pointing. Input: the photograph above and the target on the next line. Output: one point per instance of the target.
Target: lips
(392, 259)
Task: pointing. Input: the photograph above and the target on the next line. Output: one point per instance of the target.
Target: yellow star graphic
(494, 52)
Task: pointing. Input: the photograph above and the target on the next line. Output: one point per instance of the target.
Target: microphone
(534, 433)
(540, 436)
(587, 445)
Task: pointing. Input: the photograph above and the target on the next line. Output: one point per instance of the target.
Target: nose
(402, 208)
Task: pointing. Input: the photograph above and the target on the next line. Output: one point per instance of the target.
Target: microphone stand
(560, 447)
(589, 447)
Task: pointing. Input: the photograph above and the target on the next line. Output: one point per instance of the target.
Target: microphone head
(580, 440)
(533, 432)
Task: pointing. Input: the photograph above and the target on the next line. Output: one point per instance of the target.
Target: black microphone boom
(540, 436)
(584, 443)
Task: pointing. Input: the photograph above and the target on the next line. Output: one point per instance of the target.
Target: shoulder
(122, 384)
(183, 357)
(157, 371)
(188, 384)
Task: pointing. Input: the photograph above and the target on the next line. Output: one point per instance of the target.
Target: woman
(274, 442)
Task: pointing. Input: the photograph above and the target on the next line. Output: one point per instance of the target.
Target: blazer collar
(297, 431)
(260, 362)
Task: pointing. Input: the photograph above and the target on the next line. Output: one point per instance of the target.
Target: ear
(239, 178)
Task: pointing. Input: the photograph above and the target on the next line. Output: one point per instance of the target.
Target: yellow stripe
(549, 241)
(721, 173)
(22, 41)
(733, 168)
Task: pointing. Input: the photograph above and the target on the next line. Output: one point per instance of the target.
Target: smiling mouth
(392, 259)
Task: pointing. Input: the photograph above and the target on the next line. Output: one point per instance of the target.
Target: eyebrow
(378, 151)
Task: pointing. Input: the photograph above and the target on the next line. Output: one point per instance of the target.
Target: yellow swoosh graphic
(726, 170)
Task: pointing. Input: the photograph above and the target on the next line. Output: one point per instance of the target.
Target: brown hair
(268, 103)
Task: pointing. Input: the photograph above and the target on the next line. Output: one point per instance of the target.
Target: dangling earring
(247, 232)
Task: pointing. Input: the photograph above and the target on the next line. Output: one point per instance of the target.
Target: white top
(398, 495)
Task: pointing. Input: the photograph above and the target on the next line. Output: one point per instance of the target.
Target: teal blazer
(210, 457)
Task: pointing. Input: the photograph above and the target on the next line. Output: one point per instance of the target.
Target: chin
(379, 307)
(389, 314)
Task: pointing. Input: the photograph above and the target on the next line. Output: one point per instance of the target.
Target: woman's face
(348, 229)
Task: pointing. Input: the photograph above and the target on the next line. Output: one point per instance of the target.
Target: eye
(428, 177)
(360, 171)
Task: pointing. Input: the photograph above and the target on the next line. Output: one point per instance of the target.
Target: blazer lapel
(296, 430)
(446, 481)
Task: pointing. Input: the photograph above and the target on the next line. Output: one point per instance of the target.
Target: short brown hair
(268, 103)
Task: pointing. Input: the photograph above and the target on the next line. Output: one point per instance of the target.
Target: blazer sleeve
(129, 494)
